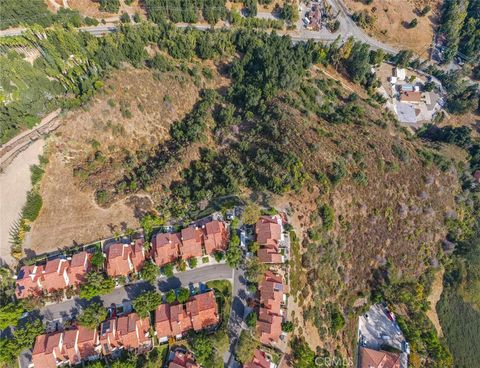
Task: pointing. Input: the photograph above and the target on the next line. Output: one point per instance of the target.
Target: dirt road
(14, 185)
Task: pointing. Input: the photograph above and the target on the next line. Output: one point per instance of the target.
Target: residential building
(272, 295)
(69, 347)
(202, 309)
(414, 97)
(269, 233)
(123, 259)
(215, 236)
(259, 360)
(128, 332)
(166, 248)
(191, 245)
(269, 327)
(28, 281)
(79, 267)
(400, 74)
(182, 359)
(272, 292)
(369, 358)
(175, 320)
(55, 275)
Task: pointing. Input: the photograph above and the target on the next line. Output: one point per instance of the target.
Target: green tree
(246, 346)
(98, 260)
(183, 295)
(251, 214)
(234, 254)
(303, 356)
(167, 270)
(170, 297)
(10, 313)
(254, 270)
(287, 326)
(96, 284)
(251, 319)
(192, 262)
(92, 315)
(147, 302)
(110, 6)
(357, 64)
(149, 272)
(203, 348)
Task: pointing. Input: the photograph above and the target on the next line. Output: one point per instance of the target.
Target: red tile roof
(269, 327)
(79, 267)
(55, 275)
(370, 358)
(269, 231)
(215, 236)
(71, 346)
(191, 242)
(166, 248)
(183, 360)
(119, 262)
(28, 281)
(259, 360)
(198, 313)
(269, 255)
(138, 255)
(203, 310)
(132, 331)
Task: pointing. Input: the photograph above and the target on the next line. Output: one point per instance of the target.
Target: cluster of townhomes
(122, 259)
(128, 331)
(125, 332)
(272, 289)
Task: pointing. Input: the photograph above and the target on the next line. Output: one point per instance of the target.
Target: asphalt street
(72, 307)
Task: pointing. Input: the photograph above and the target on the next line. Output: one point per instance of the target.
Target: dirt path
(433, 298)
(14, 185)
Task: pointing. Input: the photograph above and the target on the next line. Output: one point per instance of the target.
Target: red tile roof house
(191, 242)
(79, 267)
(272, 292)
(166, 248)
(123, 259)
(69, 347)
(29, 281)
(198, 313)
(128, 332)
(183, 360)
(269, 233)
(215, 236)
(269, 324)
(55, 276)
(370, 358)
(259, 360)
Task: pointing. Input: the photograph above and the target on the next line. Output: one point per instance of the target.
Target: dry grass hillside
(132, 113)
(391, 18)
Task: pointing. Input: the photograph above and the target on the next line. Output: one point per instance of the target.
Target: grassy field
(461, 327)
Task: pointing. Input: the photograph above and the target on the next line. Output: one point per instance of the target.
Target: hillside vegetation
(262, 121)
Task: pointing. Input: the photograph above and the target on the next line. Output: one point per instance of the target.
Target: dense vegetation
(186, 11)
(460, 24)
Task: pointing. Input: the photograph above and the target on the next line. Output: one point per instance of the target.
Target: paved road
(72, 307)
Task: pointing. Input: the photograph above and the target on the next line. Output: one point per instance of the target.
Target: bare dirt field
(14, 185)
(89, 8)
(391, 18)
(132, 113)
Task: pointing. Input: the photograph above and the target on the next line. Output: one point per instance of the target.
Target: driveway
(70, 308)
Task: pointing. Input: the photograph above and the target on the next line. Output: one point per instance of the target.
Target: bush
(32, 206)
(327, 215)
(205, 260)
(181, 265)
(218, 255)
(167, 270)
(149, 272)
(287, 326)
(251, 319)
(170, 297)
(192, 262)
(183, 295)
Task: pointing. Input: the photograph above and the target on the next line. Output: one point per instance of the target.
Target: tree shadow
(135, 290)
(169, 284)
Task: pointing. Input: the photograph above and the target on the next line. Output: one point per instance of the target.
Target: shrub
(327, 215)
(218, 256)
(183, 295)
(170, 297)
(181, 265)
(167, 270)
(149, 272)
(205, 260)
(287, 326)
(192, 262)
(32, 206)
(251, 319)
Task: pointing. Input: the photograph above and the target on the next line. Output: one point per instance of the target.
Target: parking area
(377, 328)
